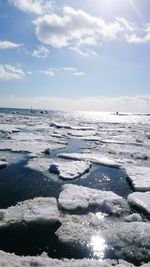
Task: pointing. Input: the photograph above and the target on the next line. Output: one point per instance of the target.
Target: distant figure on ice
(117, 113)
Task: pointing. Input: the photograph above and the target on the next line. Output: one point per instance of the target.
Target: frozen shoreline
(124, 144)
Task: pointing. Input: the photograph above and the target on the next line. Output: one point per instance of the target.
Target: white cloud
(11, 72)
(110, 104)
(65, 71)
(128, 25)
(50, 72)
(85, 52)
(40, 52)
(8, 45)
(33, 6)
(75, 26)
(73, 71)
(140, 39)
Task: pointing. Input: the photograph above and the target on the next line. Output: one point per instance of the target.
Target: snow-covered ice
(94, 158)
(139, 177)
(38, 210)
(134, 217)
(140, 200)
(69, 169)
(7, 260)
(66, 169)
(73, 197)
(127, 240)
(33, 146)
(71, 127)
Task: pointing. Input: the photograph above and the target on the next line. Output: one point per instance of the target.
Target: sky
(75, 55)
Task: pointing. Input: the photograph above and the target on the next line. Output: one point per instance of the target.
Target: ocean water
(18, 183)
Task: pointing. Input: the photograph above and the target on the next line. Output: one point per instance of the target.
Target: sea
(18, 183)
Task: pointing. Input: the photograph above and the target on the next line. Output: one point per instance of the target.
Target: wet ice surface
(101, 152)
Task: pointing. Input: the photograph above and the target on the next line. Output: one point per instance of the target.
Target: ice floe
(3, 163)
(75, 197)
(70, 170)
(140, 200)
(66, 169)
(38, 210)
(8, 259)
(134, 217)
(139, 177)
(127, 240)
(31, 146)
(94, 158)
(67, 126)
(9, 128)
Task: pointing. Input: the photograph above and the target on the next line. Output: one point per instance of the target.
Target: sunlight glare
(98, 246)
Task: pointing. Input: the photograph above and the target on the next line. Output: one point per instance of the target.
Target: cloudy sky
(79, 55)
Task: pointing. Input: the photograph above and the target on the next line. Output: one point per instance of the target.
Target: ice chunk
(80, 133)
(7, 260)
(73, 197)
(94, 158)
(33, 146)
(8, 128)
(127, 240)
(65, 169)
(139, 177)
(38, 210)
(135, 217)
(3, 164)
(140, 200)
(71, 127)
(70, 169)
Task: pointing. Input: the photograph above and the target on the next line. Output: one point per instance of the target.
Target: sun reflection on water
(98, 245)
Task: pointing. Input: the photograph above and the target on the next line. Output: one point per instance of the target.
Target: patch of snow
(94, 158)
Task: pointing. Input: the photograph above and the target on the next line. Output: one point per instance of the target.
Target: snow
(33, 146)
(140, 201)
(8, 128)
(94, 158)
(73, 197)
(71, 127)
(70, 170)
(139, 177)
(127, 240)
(65, 169)
(7, 260)
(38, 210)
(80, 133)
(134, 217)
